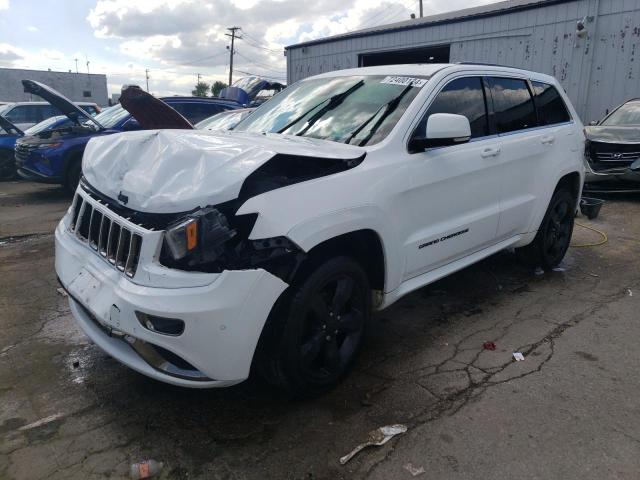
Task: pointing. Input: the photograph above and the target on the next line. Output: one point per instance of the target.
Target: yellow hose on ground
(602, 241)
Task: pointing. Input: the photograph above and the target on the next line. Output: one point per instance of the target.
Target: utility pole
(421, 12)
(76, 64)
(88, 67)
(198, 82)
(231, 52)
(146, 72)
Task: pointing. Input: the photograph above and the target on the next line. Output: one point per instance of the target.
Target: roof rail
(485, 64)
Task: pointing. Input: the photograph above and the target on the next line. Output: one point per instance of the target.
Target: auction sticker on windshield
(416, 82)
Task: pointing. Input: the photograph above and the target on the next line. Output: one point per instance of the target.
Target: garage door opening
(439, 54)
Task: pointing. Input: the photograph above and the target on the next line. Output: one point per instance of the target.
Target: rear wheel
(7, 165)
(315, 332)
(552, 240)
(73, 176)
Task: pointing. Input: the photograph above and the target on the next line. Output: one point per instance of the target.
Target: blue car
(8, 135)
(55, 155)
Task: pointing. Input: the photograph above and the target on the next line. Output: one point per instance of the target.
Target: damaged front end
(212, 239)
(612, 159)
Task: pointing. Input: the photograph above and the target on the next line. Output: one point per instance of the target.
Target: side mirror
(443, 129)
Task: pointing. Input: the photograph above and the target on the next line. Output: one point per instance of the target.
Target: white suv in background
(191, 255)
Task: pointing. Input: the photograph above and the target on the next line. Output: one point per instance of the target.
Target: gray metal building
(78, 87)
(591, 46)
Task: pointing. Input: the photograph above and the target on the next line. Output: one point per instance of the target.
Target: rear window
(551, 107)
(512, 104)
(25, 114)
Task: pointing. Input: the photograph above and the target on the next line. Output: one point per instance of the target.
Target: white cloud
(33, 29)
(4, 4)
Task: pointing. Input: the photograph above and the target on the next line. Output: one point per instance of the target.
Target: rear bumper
(223, 320)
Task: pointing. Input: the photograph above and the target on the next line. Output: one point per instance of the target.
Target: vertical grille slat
(94, 225)
(134, 255)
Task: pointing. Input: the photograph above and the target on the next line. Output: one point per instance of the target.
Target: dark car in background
(55, 155)
(613, 151)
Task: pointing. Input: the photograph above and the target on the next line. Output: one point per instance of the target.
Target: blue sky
(177, 39)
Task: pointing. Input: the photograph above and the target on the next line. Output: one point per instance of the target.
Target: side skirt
(420, 281)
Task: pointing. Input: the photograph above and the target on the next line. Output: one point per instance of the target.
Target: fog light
(165, 326)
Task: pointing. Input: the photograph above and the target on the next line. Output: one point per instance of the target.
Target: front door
(453, 205)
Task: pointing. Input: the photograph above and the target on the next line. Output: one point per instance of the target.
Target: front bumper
(32, 175)
(223, 319)
(615, 178)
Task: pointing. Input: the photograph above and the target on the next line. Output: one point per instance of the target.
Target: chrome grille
(109, 238)
(617, 156)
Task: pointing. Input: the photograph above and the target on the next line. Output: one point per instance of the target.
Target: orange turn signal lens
(192, 235)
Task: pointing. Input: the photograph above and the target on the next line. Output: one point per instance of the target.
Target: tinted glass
(363, 112)
(48, 124)
(627, 114)
(512, 104)
(222, 121)
(463, 96)
(551, 107)
(110, 117)
(25, 114)
(196, 111)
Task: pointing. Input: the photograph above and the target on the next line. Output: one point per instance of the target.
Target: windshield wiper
(388, 108)
(331, 103)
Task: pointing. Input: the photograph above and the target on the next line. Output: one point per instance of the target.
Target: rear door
(524, 150)
(453, 204)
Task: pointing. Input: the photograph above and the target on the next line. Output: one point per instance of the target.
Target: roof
(427, 70)
(492, 9)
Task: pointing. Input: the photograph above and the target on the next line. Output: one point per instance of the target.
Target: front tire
(316, 330)
(554, 235)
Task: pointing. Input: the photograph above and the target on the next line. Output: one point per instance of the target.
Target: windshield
(627, 115)
(110, 117)
(360, 110)
(3, 108)
(222, 121)
(57, 122)
(247, 83)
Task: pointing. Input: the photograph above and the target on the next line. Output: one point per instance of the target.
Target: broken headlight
(198, 237)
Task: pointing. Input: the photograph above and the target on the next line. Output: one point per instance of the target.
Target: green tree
(201, 90)
(217, 87)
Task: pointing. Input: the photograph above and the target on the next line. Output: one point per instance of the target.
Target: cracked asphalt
(570, 410)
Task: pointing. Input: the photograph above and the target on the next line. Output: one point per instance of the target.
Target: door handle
(547, 139)
(490, 152)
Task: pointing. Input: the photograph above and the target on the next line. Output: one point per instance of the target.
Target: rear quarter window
(551, 108)
(512, 104)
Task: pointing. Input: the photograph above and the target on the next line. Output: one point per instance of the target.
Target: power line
(261, 75)
(260, 64)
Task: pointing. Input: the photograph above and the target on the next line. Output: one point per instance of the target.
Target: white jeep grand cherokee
(191, 255)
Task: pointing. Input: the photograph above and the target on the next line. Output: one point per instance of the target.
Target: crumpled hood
(170, 171)
(613, 134)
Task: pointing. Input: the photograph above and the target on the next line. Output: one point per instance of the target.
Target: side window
(463, 96)
(512, 104)
(49, 111)
(196, 111)
(551, 107)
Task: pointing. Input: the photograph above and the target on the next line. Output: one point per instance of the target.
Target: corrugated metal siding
(598, 71)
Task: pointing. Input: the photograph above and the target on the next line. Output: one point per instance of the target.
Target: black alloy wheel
(316, 328)
(333, 328)
(551, 243)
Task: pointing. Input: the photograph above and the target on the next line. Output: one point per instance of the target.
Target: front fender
(308, 231)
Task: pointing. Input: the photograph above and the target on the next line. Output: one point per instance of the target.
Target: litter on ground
(518, 356)
(413, 470)
(489, 346)
(376, 438)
